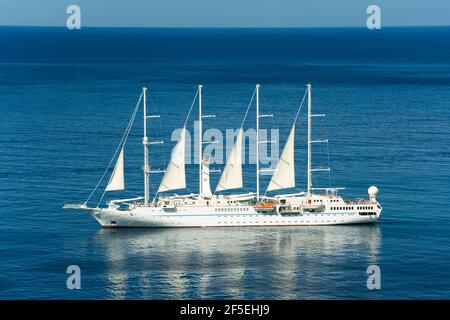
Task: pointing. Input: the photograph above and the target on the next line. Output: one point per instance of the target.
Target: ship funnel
(373, 191)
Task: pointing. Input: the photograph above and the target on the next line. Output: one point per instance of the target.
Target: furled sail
(117, 180)
(175, 176)
(232, 174)
(206, 187)
(284, 174)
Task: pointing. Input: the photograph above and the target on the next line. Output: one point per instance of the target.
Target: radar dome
(373, 191)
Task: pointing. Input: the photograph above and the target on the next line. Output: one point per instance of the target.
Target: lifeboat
(265, 206)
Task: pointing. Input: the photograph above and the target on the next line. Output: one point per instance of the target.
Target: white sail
(175, 176)
(206, 188)
(117, 180)
(231, 177)
(284, 174)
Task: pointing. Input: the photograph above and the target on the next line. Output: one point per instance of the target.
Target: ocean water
(66, 97)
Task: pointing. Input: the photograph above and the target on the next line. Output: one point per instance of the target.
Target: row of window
(367, 213)
(275, 215)
(365, 208)
(243, 222)
(244, 215)
(341, 208)
(352, 208)
(231, 209)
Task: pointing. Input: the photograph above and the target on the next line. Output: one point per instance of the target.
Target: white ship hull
(154, 217)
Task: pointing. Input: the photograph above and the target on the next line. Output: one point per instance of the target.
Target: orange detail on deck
(265, 205)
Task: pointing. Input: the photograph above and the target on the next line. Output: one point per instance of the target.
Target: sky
(225, 13)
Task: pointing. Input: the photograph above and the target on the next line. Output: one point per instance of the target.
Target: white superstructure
(206, 209)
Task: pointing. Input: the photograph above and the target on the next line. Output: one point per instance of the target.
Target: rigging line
(184, 126)
(156, 190)
(265, 192)
(131, 124)
(164, 155)
(121, 143)
(295, 120)
(153, 106)
(242, 124)
(271, 150)
(152, 186)
(300, 108)
(190, 109)
(159, 137)
(134, 194)
(118, 147)
(248, 108)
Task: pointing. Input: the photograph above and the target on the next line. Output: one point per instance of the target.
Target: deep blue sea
(65, 100)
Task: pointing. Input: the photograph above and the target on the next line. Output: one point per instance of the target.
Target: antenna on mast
(308, 86)
(146, 168)
(310, 142)
(201, 190)
(257, 142)
(200, 140)
(258, 116)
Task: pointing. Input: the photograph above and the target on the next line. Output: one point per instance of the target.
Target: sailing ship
(316, 206)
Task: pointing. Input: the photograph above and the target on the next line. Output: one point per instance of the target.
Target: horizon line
(229, 27)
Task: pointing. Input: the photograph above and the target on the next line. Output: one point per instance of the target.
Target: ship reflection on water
(247, 263)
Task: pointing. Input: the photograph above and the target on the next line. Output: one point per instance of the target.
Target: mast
(200, 141)
(309, 187)
(145, 143)
(257, 142)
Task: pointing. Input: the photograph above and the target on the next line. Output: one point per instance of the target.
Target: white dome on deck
(373, 191)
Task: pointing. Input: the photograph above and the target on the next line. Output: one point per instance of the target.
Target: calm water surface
(66, 97)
